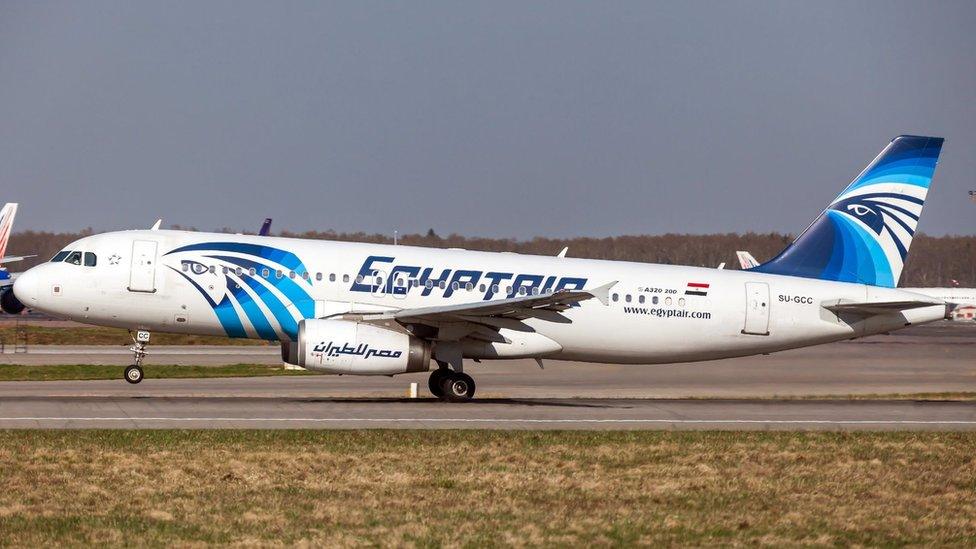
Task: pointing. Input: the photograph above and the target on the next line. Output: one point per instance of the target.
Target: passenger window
(278, 274)
(252, 271)
(265, 272)
(223, 270)
(318, 276)
(654, 300)
(59, 257)
(481, 288)
(627, 298)
(345, 278)
(291, 274)
(331, 277)
(494, 288)
(455, 285)
(238, 271)
(615, 297)
(186, 267)
(640, 299)
(442, 284)
(681, 302)
(359, 279)
(213, 269)
(468, 286)
(74, 258)
(306, 275)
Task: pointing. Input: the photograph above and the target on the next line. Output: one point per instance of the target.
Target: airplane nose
(26, 286)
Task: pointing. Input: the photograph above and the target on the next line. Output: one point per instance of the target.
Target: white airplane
(369, 309)
(7, 215)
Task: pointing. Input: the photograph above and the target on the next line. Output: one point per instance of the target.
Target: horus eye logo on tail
(864, 234)
(254, 290)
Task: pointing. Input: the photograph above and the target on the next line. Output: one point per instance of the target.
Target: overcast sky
(494, 118)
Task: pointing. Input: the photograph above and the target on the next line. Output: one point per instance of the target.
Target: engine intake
(349, 347)
(9, 302)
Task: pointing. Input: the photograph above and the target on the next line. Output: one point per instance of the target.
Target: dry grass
(486, 488)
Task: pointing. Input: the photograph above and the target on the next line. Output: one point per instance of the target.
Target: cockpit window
(74, 258)
(59, 257)
(90, 259)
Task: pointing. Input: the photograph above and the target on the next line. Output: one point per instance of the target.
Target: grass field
(486, 488)
(17, 372)
(43, 335)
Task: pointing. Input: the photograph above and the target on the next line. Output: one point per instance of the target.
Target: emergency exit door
(142, 272)
(757, 309)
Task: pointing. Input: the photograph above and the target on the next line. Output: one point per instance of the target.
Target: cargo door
(142, 272)
(757, 309)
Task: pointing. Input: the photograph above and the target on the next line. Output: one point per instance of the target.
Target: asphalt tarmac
(733, 394)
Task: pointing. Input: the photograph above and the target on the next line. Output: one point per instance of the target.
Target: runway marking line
(510, 420)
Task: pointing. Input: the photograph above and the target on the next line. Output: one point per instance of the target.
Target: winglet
(603, 292)
(156, 225)
(563, 252)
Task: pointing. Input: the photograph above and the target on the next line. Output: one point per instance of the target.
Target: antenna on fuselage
(395, 237)
(562, 253)
(156, 225)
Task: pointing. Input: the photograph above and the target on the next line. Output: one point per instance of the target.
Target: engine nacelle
(349, 347)
(9, 302)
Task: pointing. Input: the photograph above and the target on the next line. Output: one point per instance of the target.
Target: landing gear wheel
(133, 374)
(457, 387)
(436, 381)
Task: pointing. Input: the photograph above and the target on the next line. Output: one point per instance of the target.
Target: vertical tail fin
(7, 215)
(864, 234)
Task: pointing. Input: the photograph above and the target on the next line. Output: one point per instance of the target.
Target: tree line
(933, 261)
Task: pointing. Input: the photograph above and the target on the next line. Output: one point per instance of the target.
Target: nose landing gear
(133, 373)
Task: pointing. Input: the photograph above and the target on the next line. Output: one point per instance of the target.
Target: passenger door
(757, 309)
(142, 271)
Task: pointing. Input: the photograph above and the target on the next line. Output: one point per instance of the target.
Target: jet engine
(9, 302)
(350, 347)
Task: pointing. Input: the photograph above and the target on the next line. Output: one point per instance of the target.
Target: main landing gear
(449, 385)
(133, 374)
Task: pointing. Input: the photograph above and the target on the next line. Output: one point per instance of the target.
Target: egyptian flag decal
(697, 288)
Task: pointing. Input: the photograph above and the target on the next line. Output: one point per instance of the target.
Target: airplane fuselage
(262, 287)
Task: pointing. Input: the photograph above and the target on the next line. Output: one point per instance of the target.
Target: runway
(296, 413)
(736, 394)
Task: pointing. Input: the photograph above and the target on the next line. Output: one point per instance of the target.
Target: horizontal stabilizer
(879, 307)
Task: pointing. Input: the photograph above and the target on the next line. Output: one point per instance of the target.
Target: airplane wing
(515, 308)
(13, 258)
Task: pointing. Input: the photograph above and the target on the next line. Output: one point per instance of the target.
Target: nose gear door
(757, 309)
(142, 272)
